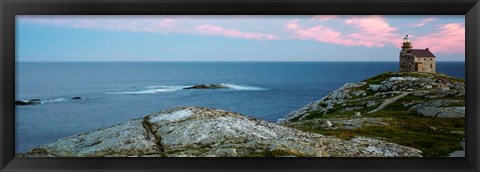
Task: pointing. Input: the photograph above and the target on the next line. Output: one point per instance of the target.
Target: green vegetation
(276, 153)
(433, 136)
(452, 79)
(416, 132)
(381, 77)
(430, 135)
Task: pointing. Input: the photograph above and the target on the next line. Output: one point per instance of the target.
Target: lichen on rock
(204, 132)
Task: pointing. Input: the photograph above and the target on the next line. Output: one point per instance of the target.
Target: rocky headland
(421, 110)
(389, 115)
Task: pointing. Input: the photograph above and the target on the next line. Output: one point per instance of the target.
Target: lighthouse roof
(421, 52)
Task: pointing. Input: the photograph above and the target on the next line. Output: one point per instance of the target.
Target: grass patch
(276, 153)
(450, 78)
(408, 129)
(383, 76)
(431, 143)
(342, 134)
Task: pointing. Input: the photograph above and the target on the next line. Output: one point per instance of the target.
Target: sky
(235, 38)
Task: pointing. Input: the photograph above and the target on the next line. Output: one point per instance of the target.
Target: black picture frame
(10, 8)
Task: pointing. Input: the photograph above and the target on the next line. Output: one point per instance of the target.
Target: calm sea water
(113, 92)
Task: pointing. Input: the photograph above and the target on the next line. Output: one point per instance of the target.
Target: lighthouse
(416, 60)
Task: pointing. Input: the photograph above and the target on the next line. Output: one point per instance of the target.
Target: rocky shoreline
(389, 115)
(204, 132)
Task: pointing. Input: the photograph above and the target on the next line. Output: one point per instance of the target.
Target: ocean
(113, 92)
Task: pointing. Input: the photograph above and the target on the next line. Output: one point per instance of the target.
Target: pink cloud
(153, 26)
(220, 31)
(449, 39)
(54, 22)
(371, 31)
(424, 22)
(293, 25)
(162, 25)
(324, 17)
(318, 33)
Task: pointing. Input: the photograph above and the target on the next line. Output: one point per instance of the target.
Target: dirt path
(387, 102)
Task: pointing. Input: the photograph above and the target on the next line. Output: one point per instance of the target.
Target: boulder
(436, 103)
(371, 103)
(374, 87)
(358, 93)
(203, 132)
(459, 153)
(457, 132)
(442, 112)
(326, 124)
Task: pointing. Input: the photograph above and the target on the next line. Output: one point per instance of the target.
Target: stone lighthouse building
(416, 60)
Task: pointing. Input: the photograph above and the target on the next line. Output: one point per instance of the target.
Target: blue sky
(235, 38)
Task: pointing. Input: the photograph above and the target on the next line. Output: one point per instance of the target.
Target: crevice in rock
(148, 128)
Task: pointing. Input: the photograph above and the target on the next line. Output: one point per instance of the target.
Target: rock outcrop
(42, 101)
(28, 102)
(442, 112)
(211, 86)
(392, 106)
(204, 132)
(430, 90)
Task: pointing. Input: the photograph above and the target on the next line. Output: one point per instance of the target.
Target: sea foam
(169, 88)
(150, 90)
(244, 87)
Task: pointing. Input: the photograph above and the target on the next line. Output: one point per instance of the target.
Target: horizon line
(244, 61)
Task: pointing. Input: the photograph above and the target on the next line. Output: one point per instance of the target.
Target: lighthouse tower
(405, 60)
(406, 43)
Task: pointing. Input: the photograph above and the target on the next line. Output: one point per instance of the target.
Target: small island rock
(211, 86)
(29, 102)
(76, 98)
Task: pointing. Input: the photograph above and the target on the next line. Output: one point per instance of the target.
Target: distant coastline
(205, 61)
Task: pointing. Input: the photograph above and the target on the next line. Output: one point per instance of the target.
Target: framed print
(241, 85)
